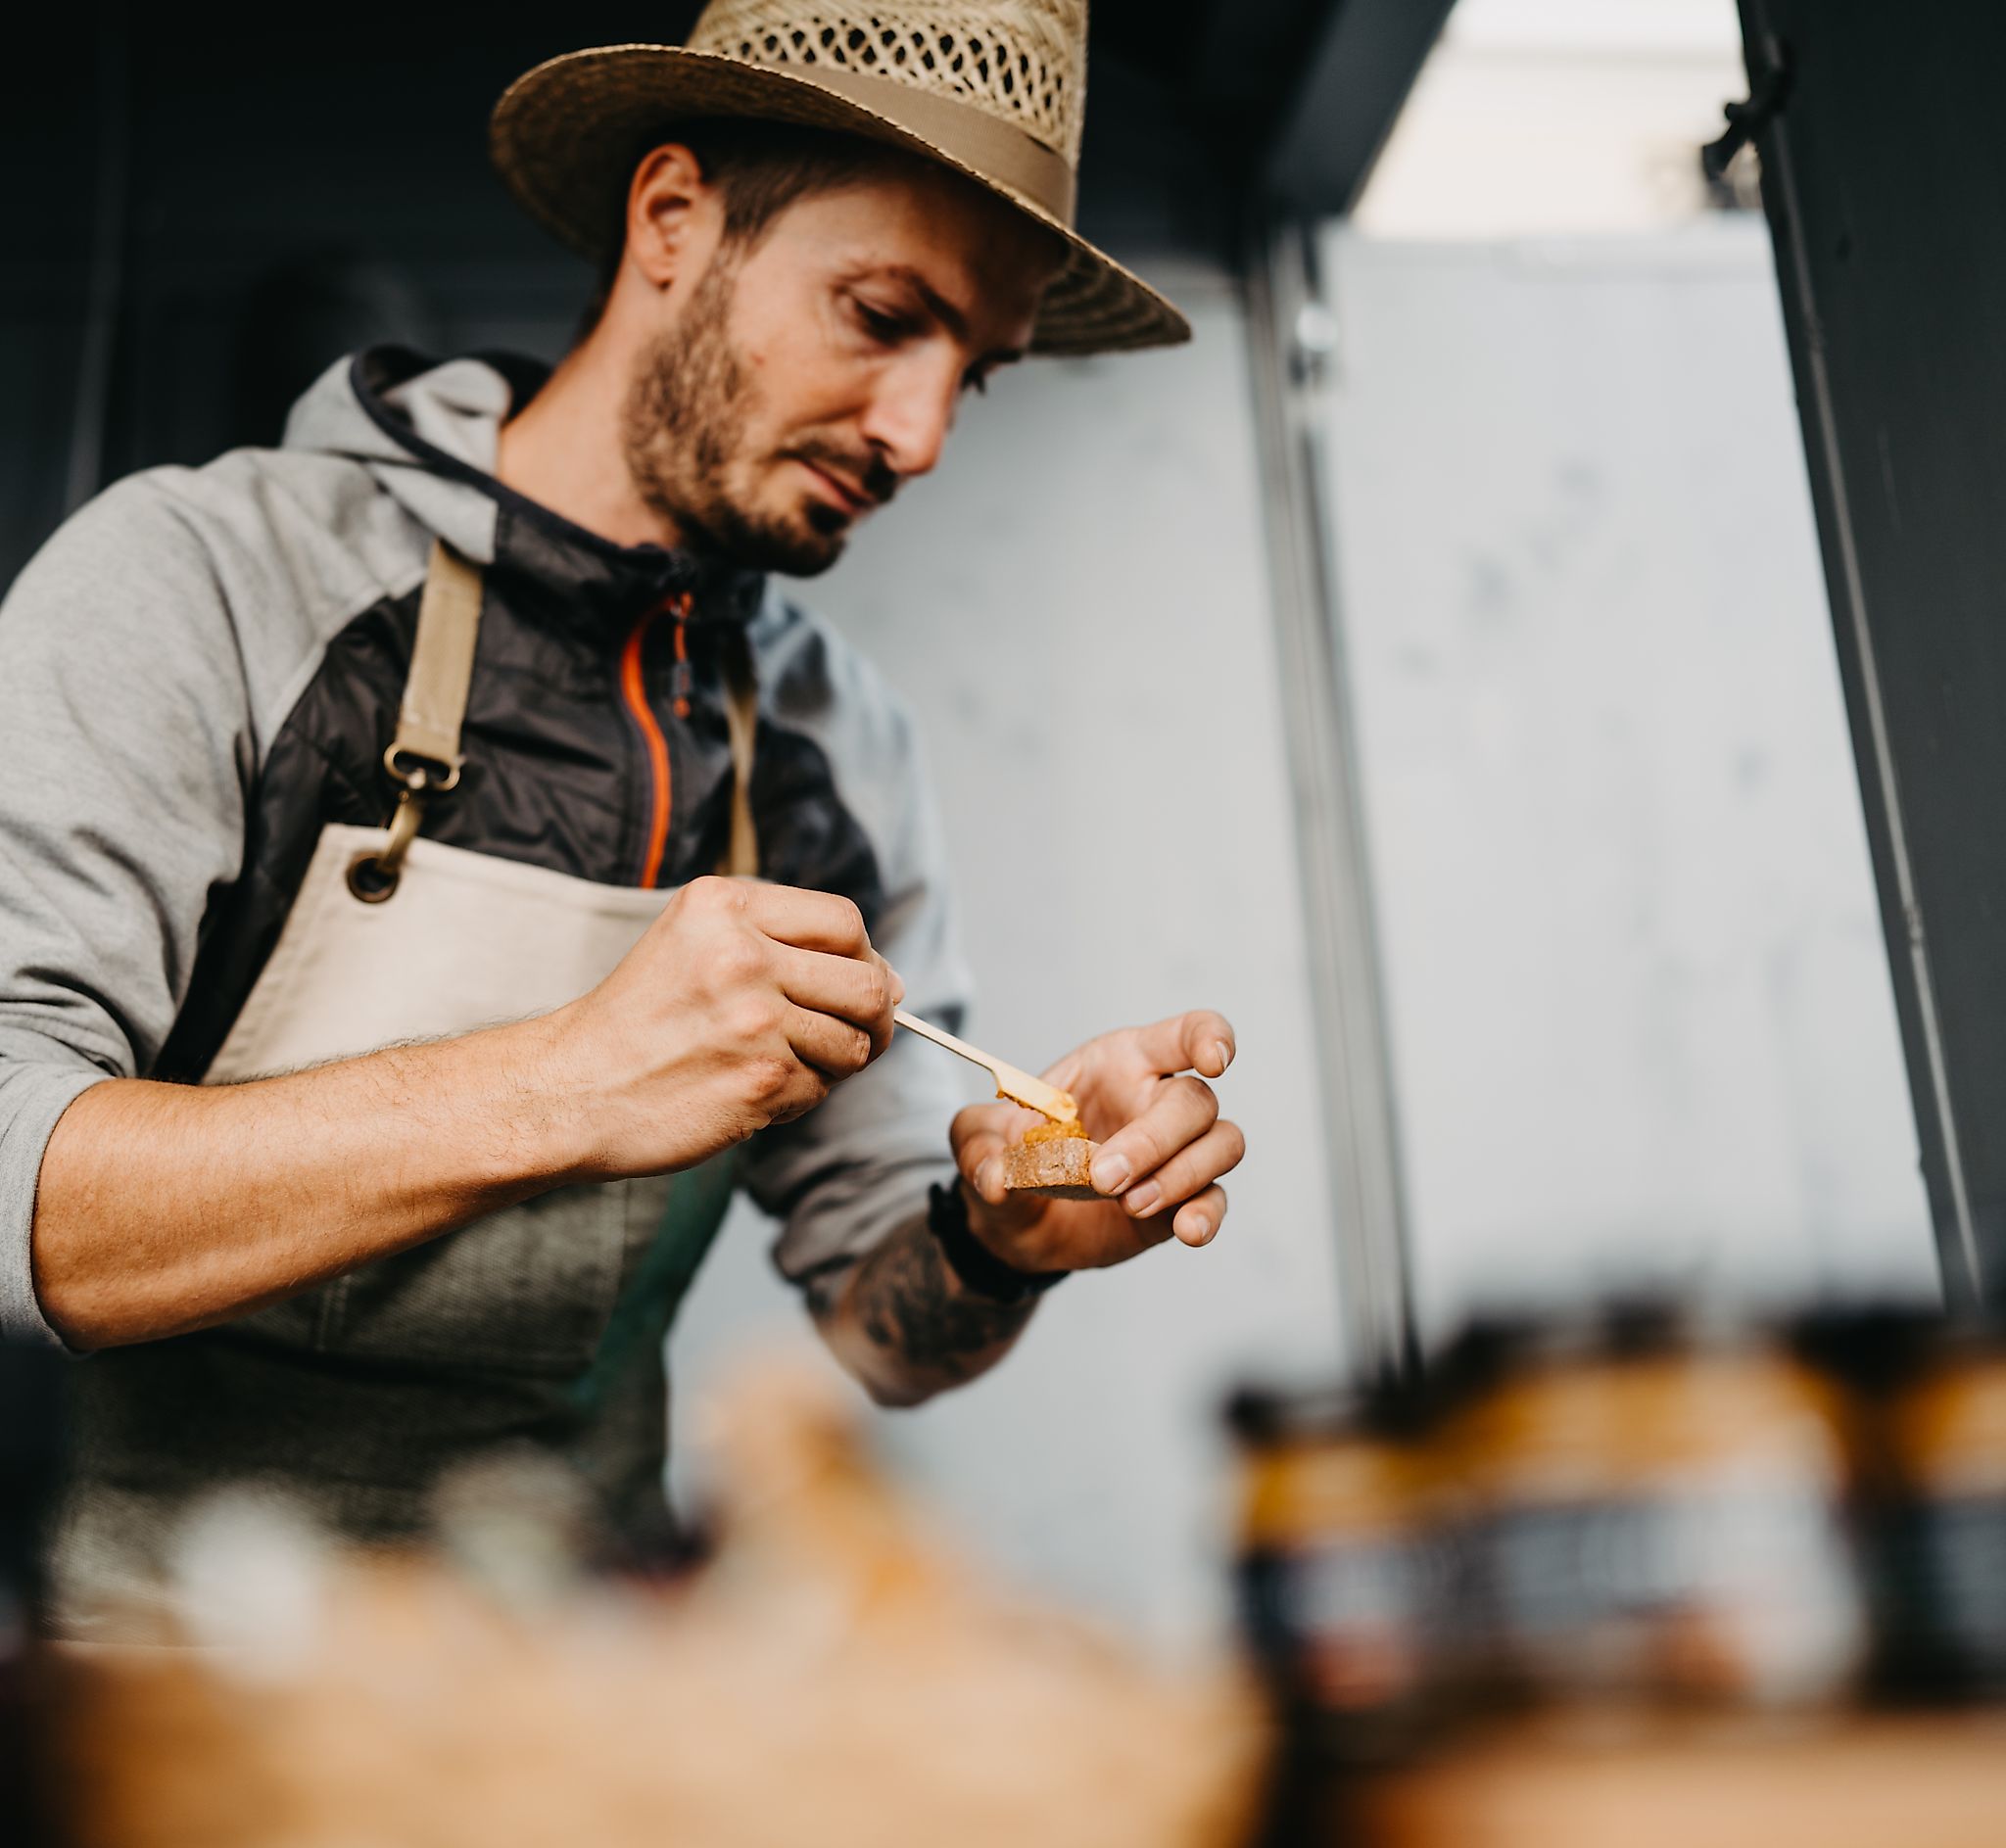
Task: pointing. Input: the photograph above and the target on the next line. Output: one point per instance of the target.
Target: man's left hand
(1162, 1148)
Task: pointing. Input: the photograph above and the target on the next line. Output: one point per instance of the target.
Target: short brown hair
(761, 168)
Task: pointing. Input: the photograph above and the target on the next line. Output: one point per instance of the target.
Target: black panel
(1882, 177)
(1356, 79)
(48, 179)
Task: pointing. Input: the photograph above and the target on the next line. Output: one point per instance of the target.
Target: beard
(682, 427)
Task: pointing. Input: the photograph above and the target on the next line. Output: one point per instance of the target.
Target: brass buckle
(373, 877)
(419, 774)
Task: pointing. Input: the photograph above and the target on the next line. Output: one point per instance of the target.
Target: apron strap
(424, 757)
(742, 723)
(435, 691)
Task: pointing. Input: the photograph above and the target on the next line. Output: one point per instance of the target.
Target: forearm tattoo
(910, 1304)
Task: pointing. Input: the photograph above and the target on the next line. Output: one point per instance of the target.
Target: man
(350, 1149)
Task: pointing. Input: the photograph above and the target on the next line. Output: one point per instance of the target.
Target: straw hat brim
(566, 137)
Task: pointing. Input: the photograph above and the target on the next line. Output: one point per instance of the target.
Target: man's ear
(674, 216)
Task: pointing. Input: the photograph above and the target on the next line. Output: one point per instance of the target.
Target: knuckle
(738, 959)
(770, 1076)
(754, 1017)
(847, 920)
(1235, 1139)
(1197, 1097)
(802, 1095)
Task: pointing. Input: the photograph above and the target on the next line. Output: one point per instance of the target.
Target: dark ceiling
(167, 162)
(1205, 109)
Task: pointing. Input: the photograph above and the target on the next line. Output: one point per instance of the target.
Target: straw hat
(995, 89)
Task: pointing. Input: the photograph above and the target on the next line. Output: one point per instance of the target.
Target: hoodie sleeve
(857, 1168)
(125, 750)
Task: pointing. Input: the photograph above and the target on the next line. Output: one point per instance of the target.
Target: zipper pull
(680, 683)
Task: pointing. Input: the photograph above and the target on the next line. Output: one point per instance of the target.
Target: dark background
(200, 215)
(201, 210)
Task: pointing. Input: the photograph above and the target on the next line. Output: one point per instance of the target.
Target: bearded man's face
(798, 382)
(695, 430)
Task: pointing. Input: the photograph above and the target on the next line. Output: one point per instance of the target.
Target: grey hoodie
(202, 668)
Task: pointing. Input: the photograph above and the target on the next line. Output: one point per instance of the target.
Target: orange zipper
(682, 660)
(634, 695)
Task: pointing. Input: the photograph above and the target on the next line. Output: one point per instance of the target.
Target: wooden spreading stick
(1053, 1159)
(1020, 1087)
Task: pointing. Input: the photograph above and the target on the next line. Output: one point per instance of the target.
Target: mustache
(867, 471)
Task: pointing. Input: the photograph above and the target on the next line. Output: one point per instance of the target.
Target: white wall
(1639, 1000)
(1078, 608)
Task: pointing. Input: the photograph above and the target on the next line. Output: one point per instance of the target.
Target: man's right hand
(741, 1007)
(166, 1208)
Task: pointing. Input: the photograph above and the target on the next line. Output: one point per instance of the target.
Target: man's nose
(911, 414)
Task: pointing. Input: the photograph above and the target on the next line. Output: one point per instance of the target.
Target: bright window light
(1559, 118)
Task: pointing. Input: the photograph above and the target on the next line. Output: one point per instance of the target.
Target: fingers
(1200, 1041)
(861, 992)
(789, 913)
(1189, 1172)
(1180, 1200)
(1198, 1220)
(833, 1048)
(980, 1136)
(1182, 1110)
(809, 921)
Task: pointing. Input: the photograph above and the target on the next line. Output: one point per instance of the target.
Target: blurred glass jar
(1942, 1556)
(1648, 1515)
(1336, 1565)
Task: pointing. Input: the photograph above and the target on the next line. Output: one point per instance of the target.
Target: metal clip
(419, 772)
(373, 877)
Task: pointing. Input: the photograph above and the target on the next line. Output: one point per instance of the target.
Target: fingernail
(1201, 1230)
(1141, 1199)
(1111, 1172)
(1223, 1053)
(897, 989)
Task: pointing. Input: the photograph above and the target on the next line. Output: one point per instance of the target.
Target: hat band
(997, 149)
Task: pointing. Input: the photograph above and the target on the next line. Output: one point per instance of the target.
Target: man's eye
(885, 328)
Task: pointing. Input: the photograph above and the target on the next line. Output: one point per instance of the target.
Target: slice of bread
(1056, 1170)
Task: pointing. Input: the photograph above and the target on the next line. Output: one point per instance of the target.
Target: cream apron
(541, 1324)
